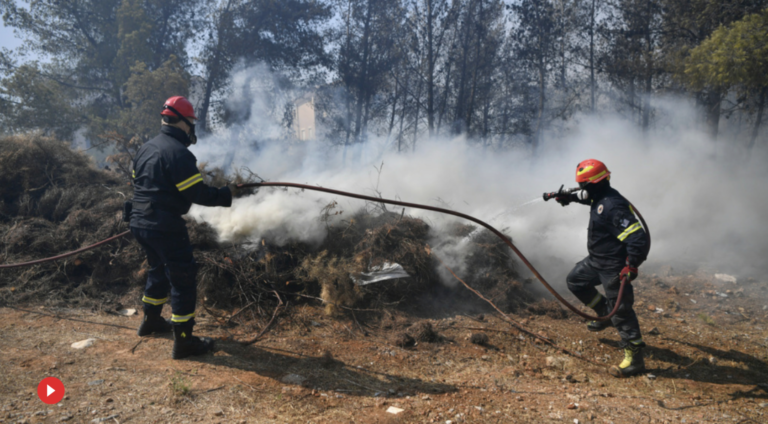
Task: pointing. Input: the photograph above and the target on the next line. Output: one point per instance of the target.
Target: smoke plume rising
(705, 201)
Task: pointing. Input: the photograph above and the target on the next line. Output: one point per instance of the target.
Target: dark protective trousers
(172, 269)
(582, 282)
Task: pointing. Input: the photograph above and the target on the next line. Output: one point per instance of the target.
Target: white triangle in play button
(49, 390)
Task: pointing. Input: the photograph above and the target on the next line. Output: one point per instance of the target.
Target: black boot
(153, 323)
(633, 362)
(601, 311)
(185, 344)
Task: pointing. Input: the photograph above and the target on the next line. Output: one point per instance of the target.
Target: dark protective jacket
(615, 234)
(166, 182)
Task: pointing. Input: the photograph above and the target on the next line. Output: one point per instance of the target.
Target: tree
(31, 100)
(688, 23)
(536, 46)
(734, 57)
(283, 34)
(632, 60)
(91, 47)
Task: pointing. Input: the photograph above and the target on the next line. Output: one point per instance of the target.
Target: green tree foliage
(685, 25)
(31, 100)
(90, 47)
(499, 72)
(734, 57)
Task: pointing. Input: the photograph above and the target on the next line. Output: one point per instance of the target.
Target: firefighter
(166, 182)
(617, 245)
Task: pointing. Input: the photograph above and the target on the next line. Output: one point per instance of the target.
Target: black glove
(233, 189)
(564, 200)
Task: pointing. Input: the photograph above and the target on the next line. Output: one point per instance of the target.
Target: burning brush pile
(54, 200)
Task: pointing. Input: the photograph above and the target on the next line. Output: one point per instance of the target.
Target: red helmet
(591, 171)
(181, 104)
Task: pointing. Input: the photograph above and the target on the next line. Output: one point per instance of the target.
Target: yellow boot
(633, 362)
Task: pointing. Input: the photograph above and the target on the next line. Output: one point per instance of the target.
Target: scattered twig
(214, 389)
(222, 325)
(229, 321)
(252, 388)
(485, 329)
(746, 418)
(190, 401)
(279, 306)
(70, 319)
(510, 320)
(133, 349)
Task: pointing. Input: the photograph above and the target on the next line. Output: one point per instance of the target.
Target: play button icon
(50, 390)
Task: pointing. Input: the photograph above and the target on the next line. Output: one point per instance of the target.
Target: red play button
(50, 390)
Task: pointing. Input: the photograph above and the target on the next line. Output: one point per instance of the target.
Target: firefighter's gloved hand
(629, 271)
(563, 201)
(233, 189)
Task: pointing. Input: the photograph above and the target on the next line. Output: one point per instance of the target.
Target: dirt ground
(708, 347)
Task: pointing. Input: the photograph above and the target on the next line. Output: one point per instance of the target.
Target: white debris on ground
(83, 344)
(726, 278)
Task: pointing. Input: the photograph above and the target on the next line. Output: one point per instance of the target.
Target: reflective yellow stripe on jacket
(632, 228)
(189, 182)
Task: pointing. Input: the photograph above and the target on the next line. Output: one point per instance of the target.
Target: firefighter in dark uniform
(617, 245)
(166, 184)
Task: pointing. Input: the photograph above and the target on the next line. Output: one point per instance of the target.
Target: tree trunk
(459, 115)
(475, 76)
(712, 102)
(213, 71)
(540, 112)
(416, 120)
(202, 115)
(394, 107)
(430, 70)
(348, 82)
(402, 116)
(648, 72)
(758, 119)
(592, 58)
(362, 89)
(446, 90)
(562, 45)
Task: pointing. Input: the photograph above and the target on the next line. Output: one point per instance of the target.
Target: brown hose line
(66, 255)
(391, 202)
(469, 218)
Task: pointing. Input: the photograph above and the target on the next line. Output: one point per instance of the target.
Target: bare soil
(706, 360)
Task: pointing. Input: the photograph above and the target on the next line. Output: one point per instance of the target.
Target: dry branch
(512, 322)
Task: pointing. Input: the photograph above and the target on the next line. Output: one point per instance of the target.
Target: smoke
(705, 200)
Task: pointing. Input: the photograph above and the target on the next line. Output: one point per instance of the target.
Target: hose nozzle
(560, 193)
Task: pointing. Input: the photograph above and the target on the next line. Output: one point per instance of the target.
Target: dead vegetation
(54, 200)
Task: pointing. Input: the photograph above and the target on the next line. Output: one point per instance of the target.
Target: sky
(7, 39)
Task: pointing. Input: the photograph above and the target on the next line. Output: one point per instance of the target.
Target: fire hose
(496, 232)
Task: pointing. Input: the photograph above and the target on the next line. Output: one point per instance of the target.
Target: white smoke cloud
(704, 200)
